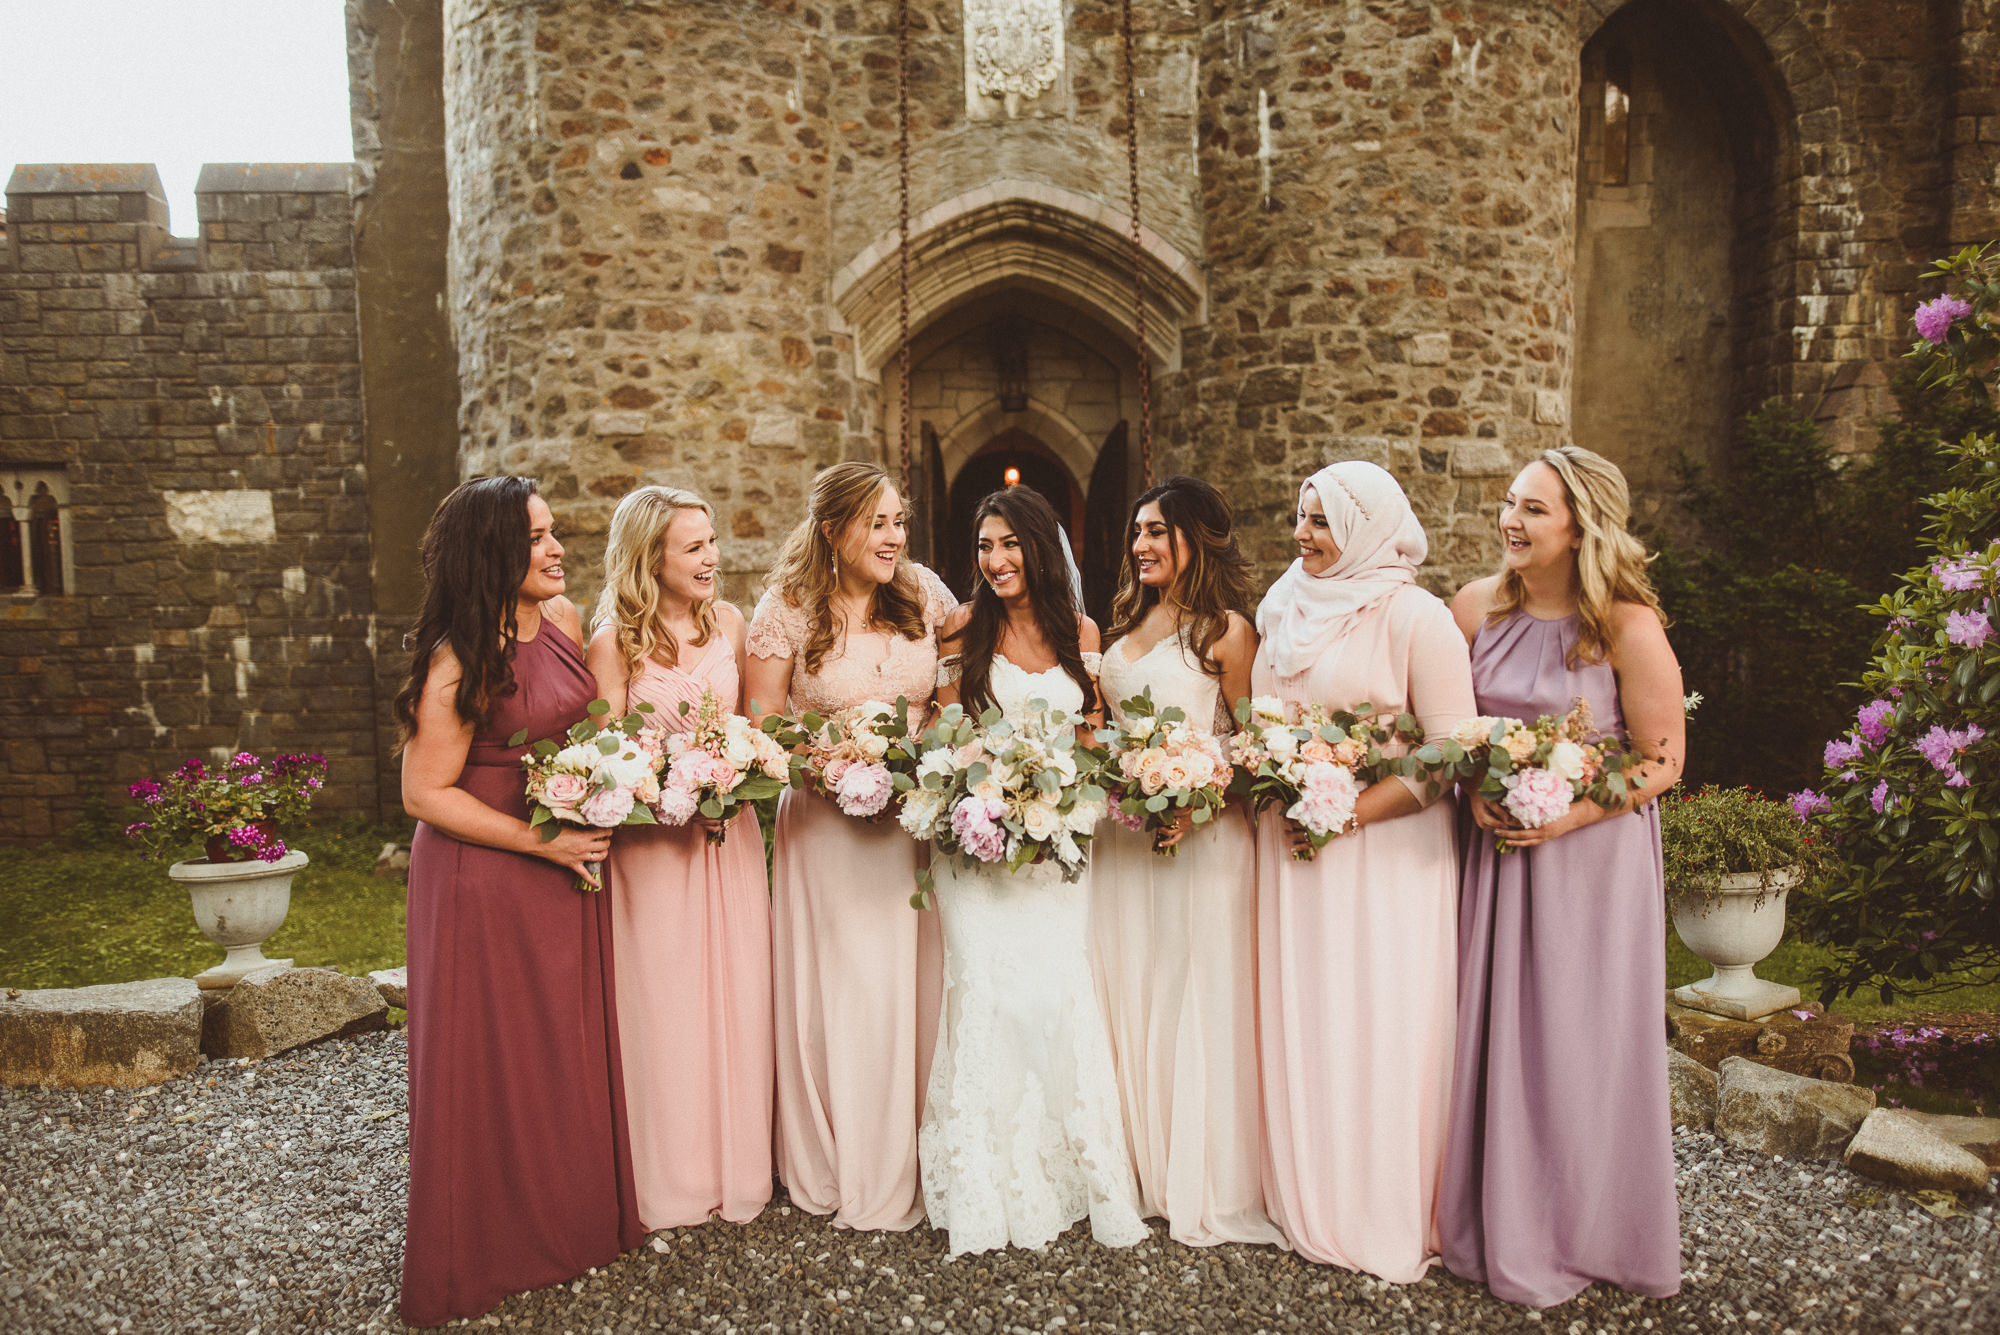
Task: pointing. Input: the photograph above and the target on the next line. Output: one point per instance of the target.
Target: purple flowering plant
(1909, 800)
(235, 807)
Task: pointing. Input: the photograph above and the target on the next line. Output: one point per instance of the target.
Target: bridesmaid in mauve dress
(1355, 949)
(520, 1171)
(857, 975)
(1173, 939)
(1561, 1166)
(692, 918)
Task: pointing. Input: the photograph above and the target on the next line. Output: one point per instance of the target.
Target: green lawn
(70, 917)
(1794, 961)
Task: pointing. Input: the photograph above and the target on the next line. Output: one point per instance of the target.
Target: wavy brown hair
(805, 574)
(1046, 573)
(630, 600)
(475, 555)
(1213, 579)
(1611, 563)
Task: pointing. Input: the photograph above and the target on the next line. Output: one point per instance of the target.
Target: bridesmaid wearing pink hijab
(1357, 949)
(691, 918)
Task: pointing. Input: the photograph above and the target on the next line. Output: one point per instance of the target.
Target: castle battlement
(86, 218)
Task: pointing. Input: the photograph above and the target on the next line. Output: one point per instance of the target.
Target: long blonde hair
(1610, 562)
(630, 602)
(806, 574)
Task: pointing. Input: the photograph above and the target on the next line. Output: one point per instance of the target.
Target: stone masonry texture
(613, 242)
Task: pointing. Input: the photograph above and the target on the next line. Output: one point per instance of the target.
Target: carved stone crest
(1013, 49)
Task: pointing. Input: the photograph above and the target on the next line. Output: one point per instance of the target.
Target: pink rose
(1318, 751)
(833, 772)
(565, 791)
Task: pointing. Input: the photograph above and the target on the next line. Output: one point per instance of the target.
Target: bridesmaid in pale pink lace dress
(847, 617)
(691, 919)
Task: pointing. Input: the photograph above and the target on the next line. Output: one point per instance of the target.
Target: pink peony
(863, 789)
(1935, 318)
(1536, 796)
(607, 807)
(676, 806)
(975, 821)
(1130, 822)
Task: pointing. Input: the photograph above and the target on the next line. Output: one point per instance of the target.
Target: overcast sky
(175, 83)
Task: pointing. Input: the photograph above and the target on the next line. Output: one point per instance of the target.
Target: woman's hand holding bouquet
(1316, 765)
(1162, 775)
(606, 775)
(721, 765)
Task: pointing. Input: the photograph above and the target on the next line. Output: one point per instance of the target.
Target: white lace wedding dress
(1022, 1134)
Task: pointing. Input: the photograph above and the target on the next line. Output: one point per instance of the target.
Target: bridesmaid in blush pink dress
(691, 919)
(1172, 940)
(857, 974)
(1357, 950)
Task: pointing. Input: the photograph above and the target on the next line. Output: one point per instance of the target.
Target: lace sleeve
(950, 668)
(1093, 663)
(777, 629)
(939, 600)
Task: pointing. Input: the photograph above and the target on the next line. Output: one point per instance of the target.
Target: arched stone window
(36, 555)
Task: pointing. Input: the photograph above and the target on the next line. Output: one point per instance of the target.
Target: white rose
(582, 757)
(1140, 726)
(1281, 743)
(1041, 820)
(941, 761)
(1083, 817)
(1064, 765)
(1566, 761)
(872, 746)
(989, 789)
(921, 812)
(1268, 706)
(739, 751)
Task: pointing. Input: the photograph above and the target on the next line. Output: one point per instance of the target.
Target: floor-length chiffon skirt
(1357, 966)
(693, 932)
(857, 976)
(1561, 1168)
(1173, 951)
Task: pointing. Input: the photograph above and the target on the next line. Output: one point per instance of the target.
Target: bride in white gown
(1022, 1134)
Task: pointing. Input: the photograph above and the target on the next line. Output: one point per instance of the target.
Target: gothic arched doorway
(1012, 458)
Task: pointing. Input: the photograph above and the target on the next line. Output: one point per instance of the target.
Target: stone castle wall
(199, 403)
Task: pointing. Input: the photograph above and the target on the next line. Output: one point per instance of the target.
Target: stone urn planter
(240, 906)
(1733, 928)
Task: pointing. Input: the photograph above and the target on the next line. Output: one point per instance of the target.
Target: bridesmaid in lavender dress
(1173, 939)
(1561, 1166)
(692, 918)
(520, 1173)
(1355, 959)
(847, 617)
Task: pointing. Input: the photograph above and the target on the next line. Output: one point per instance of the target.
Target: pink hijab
(1381, 545)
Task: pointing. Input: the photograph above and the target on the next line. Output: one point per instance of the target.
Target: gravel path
(259, 1198)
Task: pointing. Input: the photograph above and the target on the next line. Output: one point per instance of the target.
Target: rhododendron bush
(1911, 790)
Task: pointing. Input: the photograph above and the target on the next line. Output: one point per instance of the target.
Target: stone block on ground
(1691, 1091)
(393, 862)
(1895, 1147)
(278, 1008)
(123, 1034)
(394, 985)
(1803, 1039)
(1979, 1135)
(1775, 1112)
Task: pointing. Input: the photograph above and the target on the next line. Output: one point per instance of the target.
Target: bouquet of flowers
(1158, 767)
(606, 773)
(1316, 766)
(720, 765)
(233, 809)
(1538, 771)
(1000, 791)
(860, 758)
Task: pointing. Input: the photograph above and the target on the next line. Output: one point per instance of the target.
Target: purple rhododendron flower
(1872, 721)
(1879, 799)
(1806, 803)
(1842, 751)
(1935, 317)
(1970, 629)
(1958, 576)
(1942, 746)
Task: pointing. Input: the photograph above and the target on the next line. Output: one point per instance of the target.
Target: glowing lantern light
(1012, 477)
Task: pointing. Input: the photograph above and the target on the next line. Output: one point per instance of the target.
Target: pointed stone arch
(1071, 248)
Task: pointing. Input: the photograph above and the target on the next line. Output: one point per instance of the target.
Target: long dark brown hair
(1213, 579)
(1046, 574)
(806, 574)
(475, 555)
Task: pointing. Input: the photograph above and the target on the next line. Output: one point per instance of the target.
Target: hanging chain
(1138, 248)
(903, 238)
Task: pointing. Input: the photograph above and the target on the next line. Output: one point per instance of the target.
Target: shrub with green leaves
(1717, 832)
(1911, 791)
